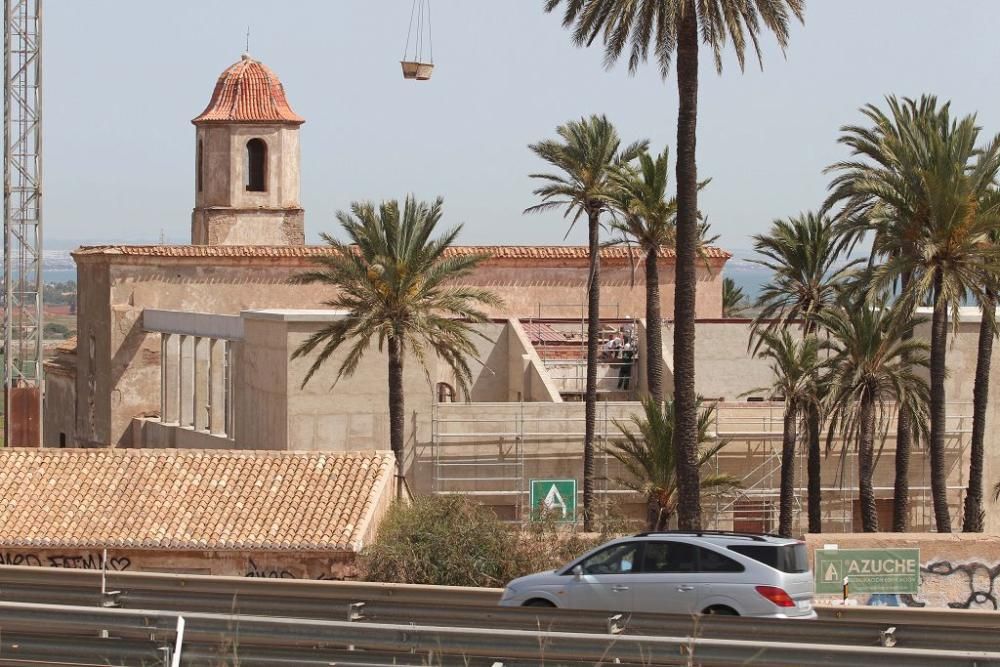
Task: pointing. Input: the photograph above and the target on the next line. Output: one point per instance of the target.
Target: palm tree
(670, 26)
(646, 214)
(932, 227)
(870, 373)
(646, 451)
(795, 365)
(802, 254)
(734, 300)
(974, 519)
(880, 191)
(396, 286)
(587, 153)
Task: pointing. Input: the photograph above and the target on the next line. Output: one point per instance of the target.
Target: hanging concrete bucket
(417, 70)
(419, 35)
(424, 71)
(409, 69)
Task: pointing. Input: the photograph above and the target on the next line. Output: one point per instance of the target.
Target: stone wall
(263, 564)
(118, 372)
(957, 570)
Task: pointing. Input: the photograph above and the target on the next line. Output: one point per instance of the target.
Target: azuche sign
(867, 571)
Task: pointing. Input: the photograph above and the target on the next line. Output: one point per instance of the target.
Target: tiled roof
(189, 499)
(495, 251)
(540, 332)
(249, 92)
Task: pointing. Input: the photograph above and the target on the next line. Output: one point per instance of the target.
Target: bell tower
(247, 162)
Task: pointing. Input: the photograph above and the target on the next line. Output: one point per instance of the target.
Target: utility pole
(22, 197)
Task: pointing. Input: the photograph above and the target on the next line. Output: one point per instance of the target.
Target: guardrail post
(175, 660)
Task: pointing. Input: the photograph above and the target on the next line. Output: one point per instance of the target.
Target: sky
(122, 81)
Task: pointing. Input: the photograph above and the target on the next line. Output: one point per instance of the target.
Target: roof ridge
(496, 250)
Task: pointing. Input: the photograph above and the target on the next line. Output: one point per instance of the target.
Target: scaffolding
(22, 305)
(492, 450)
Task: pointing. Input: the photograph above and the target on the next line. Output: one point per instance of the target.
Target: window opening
(446, 393)
(200, 177)
(256, 166)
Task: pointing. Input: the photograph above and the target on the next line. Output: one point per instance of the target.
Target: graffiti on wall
(267, 571)
(86, 561)
(20, 559)
(969, 585)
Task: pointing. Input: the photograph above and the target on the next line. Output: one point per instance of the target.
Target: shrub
(56, 330)
(443, 540)
(454, 541)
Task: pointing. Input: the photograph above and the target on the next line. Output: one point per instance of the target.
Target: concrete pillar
(185, 381)
(217, 387)
(201, 387)
(169, 368)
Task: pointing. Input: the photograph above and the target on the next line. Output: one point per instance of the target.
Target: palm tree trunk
(397, 413)
(866, 464)
(939, 341)
(786, 503)
(814, 471)
(686, 427)
(654, 331)
(904, 442)
(973, 522)
(593, 335)
(663, 519)
(652, 512)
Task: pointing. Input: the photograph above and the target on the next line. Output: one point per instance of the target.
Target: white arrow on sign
(554, 500)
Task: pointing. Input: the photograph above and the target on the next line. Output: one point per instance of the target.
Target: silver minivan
(678, 572)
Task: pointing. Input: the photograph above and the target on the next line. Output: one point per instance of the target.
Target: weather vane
(248, 39)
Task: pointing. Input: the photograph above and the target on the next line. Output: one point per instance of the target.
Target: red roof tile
(496, 251)
(249, 92)
(190, 499)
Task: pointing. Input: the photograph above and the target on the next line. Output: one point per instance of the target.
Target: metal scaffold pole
(22, 193)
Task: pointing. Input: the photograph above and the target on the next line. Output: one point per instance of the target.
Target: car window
(665, 556)
(791, 558)
(713, 561)
(618, 559)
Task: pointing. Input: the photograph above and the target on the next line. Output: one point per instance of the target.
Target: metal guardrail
(470, 608)
(308, 641)
(182, 588)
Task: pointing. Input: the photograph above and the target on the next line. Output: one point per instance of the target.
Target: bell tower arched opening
(255, 166)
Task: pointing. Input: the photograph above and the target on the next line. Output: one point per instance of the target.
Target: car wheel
(538, 602)
(720, 610)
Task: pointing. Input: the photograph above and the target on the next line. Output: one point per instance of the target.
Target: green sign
(867, 571)
(557, 496)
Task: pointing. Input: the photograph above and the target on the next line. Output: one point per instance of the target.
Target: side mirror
(578, 572)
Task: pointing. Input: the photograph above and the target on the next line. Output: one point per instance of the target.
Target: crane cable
(417, 11)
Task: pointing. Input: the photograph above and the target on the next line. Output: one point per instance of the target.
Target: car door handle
(684, 589)
(619, 589)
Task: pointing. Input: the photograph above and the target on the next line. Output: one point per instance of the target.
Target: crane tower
(22, 198)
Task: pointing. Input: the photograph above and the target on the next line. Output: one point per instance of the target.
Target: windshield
(791, 558)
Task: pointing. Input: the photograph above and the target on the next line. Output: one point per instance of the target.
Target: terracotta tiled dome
(248, 92)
